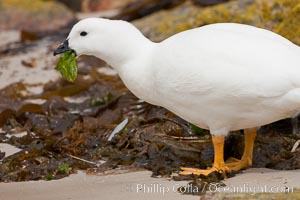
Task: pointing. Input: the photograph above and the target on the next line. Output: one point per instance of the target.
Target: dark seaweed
(63, 137)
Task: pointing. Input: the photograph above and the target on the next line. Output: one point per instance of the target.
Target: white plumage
(227, 77)
(221, 77)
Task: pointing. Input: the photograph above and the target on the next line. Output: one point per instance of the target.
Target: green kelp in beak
(67, 66)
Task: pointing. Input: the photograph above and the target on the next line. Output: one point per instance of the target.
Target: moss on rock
(290, 27)
(33, 15)
(267, 14)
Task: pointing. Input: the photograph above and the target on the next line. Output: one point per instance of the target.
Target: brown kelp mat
(72, 129)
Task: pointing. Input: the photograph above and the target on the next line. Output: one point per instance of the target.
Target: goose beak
(62, 48)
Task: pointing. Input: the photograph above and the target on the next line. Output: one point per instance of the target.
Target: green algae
(67, 66)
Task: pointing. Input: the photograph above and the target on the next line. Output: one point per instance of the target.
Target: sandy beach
(139, 185)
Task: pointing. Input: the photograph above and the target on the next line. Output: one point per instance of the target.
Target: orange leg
(219, 164)
(233, 164)
(246, 160)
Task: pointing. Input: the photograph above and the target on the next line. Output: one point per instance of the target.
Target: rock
(267, 14)
(33, 15)
(129, 9)
(141, 8)
(7, 37)
(208, 2)
(290, 26)
(95, 5)
(74, 5)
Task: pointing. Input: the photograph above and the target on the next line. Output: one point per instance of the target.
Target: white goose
(221, 77)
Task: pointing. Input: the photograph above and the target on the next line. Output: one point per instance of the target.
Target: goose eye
(83, 33)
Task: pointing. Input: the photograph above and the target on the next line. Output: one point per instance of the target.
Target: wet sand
(135, 185)
(139, 185)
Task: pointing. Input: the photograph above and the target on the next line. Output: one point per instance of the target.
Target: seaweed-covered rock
(261, 13)
(33, 15)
